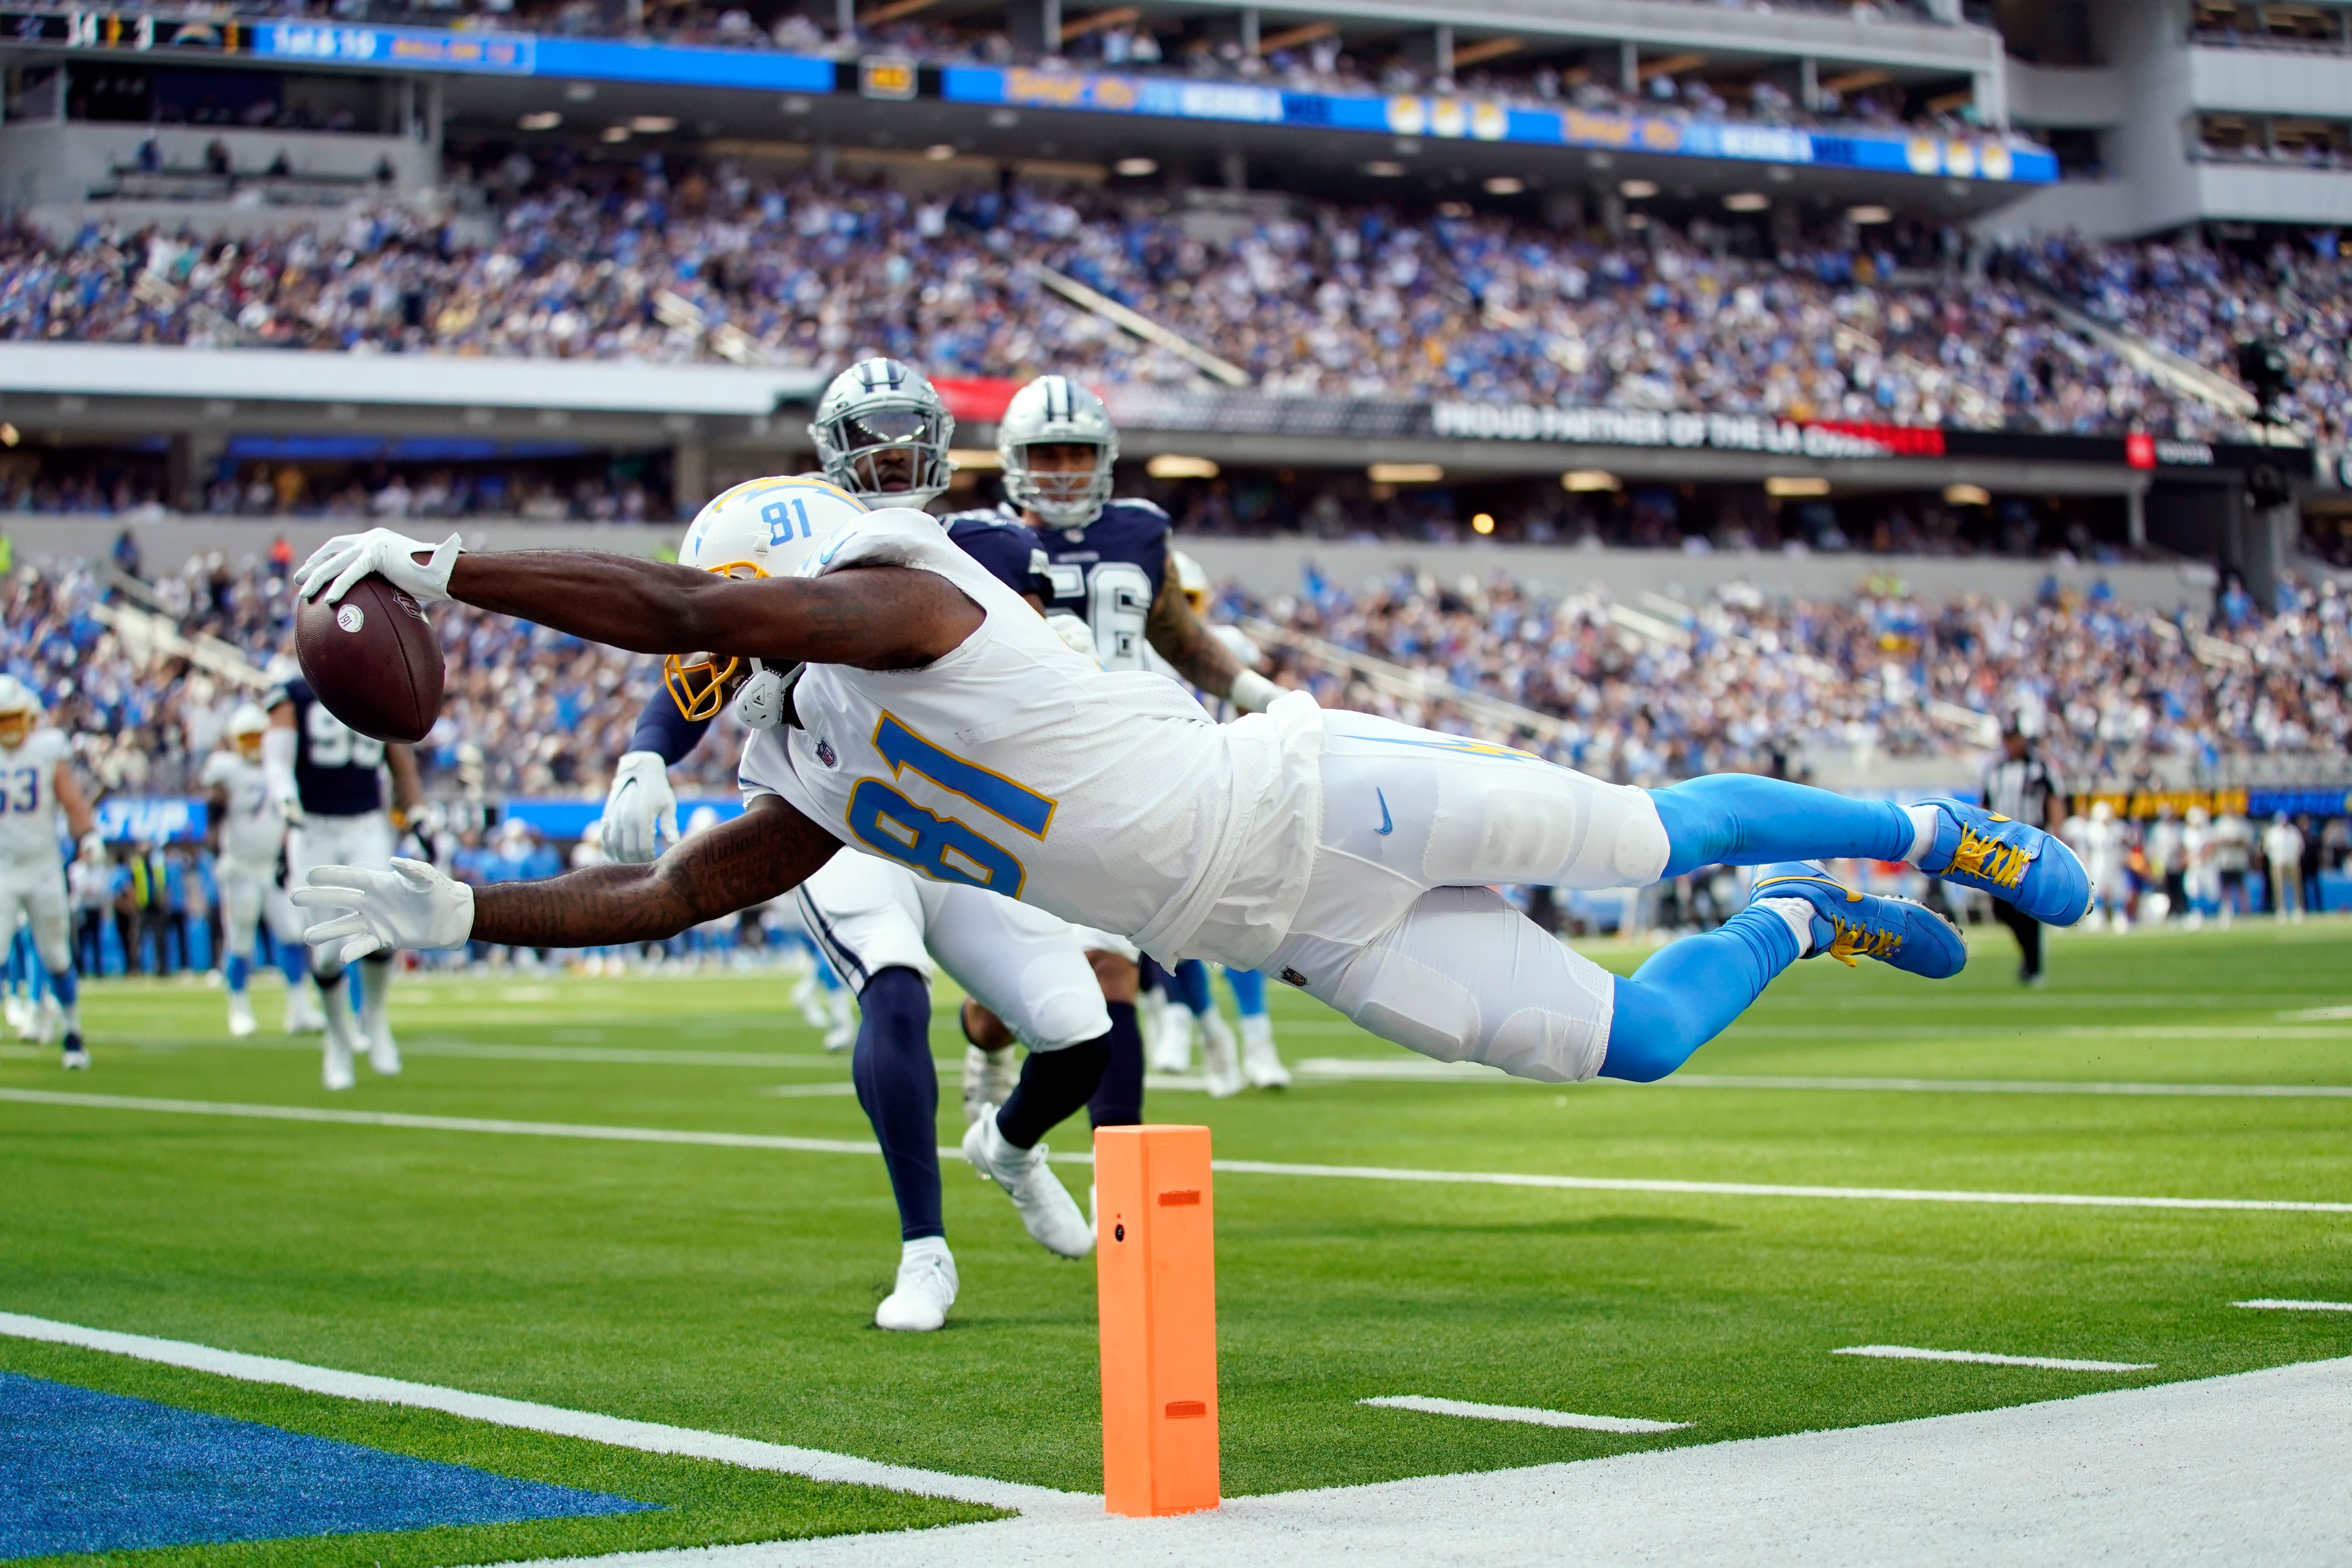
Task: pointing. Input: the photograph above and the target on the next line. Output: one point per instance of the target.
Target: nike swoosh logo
(1386, 825)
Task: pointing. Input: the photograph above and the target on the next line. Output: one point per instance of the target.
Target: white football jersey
(1015, 764)
(29, 798)
(256, 827)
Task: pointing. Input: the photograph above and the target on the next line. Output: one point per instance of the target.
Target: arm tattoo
(1177, 632)
(770, 849)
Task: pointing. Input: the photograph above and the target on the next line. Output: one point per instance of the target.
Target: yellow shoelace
(2003, 865)
(1853, 941)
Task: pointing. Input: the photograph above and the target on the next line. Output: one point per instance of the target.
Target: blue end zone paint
(82, 1471)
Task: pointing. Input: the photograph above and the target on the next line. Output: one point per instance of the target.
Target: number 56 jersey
(1013, 763)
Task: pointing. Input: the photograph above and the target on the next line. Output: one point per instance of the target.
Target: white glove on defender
(640, 810)
(411, 905)
(348, 557)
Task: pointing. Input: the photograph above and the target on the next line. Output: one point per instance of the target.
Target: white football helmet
(764, 528)
(247, 726)
(20, 710)
(1052, 411)
(882, 434)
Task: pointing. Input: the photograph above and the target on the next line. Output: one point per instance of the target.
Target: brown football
(373, 659)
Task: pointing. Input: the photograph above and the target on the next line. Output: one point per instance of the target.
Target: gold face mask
(14, 727)
(700, 689)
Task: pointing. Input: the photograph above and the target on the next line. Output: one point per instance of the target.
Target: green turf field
(731, 1289)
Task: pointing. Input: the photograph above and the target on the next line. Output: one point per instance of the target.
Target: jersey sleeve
(1008, 552)
(216, 772)
(767, 769)
(893, 536)
(664, 730)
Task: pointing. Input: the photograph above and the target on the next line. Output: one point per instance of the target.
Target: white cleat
(918, 1303)
(842, 1032)
(1046, 1209)
(988, 1080)
(75, 1060)
(383, 1051)
(48, 1022)
(809, 997)
(1168, 1043)
(303, 1014)
(335, 1070)
(18, 1012)
(240, 1016)
(1220, 1057)
(1261, 1064)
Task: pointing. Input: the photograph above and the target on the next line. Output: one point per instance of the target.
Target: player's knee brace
(1466, 977)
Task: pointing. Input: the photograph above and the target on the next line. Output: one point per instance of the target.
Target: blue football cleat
(2020, 865)
(1849, 923)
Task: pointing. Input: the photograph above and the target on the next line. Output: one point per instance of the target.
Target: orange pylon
(1155, 1273)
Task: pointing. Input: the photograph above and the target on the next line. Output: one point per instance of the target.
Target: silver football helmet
(882, 434)
(1053, 411)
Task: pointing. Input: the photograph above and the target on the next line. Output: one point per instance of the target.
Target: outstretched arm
(770, 849)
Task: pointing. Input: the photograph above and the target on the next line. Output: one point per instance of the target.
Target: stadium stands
(661, 260)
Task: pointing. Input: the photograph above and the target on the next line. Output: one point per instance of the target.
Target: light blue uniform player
(37, 784)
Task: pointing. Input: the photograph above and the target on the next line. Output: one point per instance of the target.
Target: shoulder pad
(1137, 504)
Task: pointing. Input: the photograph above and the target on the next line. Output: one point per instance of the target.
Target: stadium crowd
(654, 261)
(1746, 682)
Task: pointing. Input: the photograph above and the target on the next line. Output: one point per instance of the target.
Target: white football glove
(640, 810)
(348, 557)
(93, 849)
(411, 905)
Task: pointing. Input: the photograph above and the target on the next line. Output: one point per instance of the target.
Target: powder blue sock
(1739, 819)
(1691, 990)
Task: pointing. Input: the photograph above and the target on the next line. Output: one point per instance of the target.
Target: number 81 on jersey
(944, 848)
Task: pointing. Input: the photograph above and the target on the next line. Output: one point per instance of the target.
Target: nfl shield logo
(824, 753)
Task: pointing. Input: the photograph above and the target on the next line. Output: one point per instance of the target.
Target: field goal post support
(1156, 1275)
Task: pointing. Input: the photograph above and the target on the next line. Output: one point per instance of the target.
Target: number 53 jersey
(1013, 764)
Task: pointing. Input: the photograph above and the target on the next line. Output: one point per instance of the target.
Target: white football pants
(1400, 928)
(1022, 964)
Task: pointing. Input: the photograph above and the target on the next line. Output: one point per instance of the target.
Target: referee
(2023, 788)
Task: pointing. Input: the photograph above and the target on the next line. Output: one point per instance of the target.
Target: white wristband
(1253, 692)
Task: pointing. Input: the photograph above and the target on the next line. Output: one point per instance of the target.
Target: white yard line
(1418, 1069)
(1231, 1167)
(2255, 1467)
(2268, 1305)
(827, 1090)
(2049, 1363)
(1525, 1413)
(647, 1437)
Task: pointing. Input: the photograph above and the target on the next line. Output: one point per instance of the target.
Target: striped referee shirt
(2023, 789)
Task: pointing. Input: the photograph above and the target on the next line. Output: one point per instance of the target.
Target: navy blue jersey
(999, 542)
(1108, 575)
(334, 765)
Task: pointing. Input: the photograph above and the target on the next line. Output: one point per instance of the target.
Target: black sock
(1120, 1102)
(899, 1090)
(1053, 1085)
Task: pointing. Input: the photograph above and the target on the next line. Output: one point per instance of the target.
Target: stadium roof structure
(768, 99)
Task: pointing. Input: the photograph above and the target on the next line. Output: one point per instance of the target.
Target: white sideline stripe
(1521, 1413)
(645, 1436)
(1416, 1071)
(444, 1123)
(1230, 1167)
(2052, 1363)
(2275, 1306)
(809, 1090)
